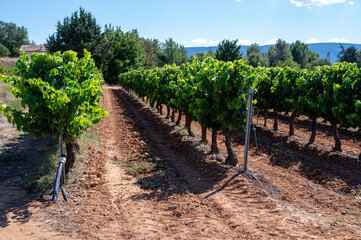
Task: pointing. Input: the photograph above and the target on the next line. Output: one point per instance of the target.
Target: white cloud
(239, 0)
(319, 3)
(339, 40)
(200, 42)
(351, 3)
(244, 42)
(312, 40)
(272, 41)
(213, 42)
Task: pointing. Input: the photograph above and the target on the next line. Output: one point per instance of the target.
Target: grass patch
(9, 156)
(43, 177)
(7, 97)
(142, 168)
(88, 142)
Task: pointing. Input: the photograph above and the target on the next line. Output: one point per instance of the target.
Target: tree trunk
(232, 158)
(265, 118)
(189, 123)
(292, 123)
(172, 117)
(143, 100)
(313, 133)
(275, 121)
(160, 108)
(151, 103)
(168, 112)
(336, 137)
(214, 146)
(179, 117)
(71, 148)
(204, 135)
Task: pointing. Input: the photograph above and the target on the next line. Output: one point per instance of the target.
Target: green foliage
(77, 32)
(350, 55)
(279, 53)
(151, 51)
(214, 92)
(118, 52)
(173, 53)
(228, 50)
(12, 37)
(305, 58)
(9, 71)
(60, 92)
(4, 52)
(255, 57)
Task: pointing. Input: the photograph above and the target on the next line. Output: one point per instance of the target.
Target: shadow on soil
(317, 165)
(202, 171)
(19, 159)
(305, 124)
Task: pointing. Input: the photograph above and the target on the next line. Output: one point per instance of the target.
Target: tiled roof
(33, 48)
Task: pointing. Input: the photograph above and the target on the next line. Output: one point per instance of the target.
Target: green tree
(300, 53)
(4, 52)
(12, 37)
(173, 53)
(280, 53)
(78, 32)
(350, 55)
(152, 52)
(228, 50)
(255, 57)
(118, 52)
(306, 58)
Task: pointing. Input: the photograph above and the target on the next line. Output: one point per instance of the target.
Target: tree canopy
(255, 57)
(280, 53)
(350, 54)
(75, 33)
(173, 53)
(228, 50)
(11, 39)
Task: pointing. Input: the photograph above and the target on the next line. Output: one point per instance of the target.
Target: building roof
(33, 48)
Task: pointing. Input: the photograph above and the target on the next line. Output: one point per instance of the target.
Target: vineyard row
(214, 93)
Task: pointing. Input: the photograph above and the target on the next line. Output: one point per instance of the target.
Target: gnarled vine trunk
(232, 158)
(151, 103)
(275, 121)
(189, 119)
(168, 112)
(172, 117)
(265, 118)
(204, 134)
(214, 146)
(314, 127)
(179, 117)
(292, 123)
(71, 149)
(336, 137)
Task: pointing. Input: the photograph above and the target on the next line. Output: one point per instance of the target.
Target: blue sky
(201, 22)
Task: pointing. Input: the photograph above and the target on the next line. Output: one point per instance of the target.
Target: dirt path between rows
(149, 180)
(162, 184)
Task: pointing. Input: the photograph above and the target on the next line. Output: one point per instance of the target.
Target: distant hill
(320, 48)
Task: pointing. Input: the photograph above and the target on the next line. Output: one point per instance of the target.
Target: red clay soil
(149, 180)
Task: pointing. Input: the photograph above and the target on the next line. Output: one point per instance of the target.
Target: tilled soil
(149, 180)
(154, 182)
